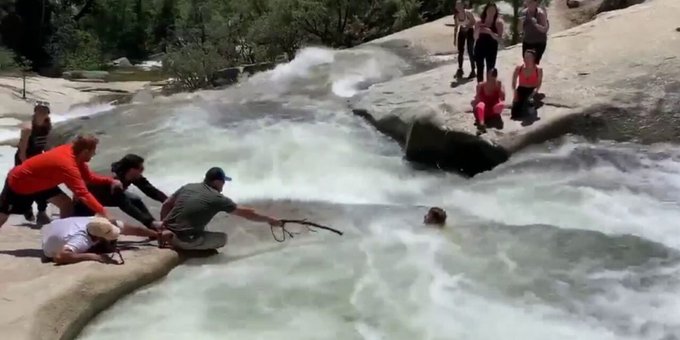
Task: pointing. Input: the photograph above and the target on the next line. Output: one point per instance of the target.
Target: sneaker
(472, 75)
(459, 73)
(43, 218)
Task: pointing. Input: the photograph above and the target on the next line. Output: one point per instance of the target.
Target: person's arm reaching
(135, 230)
(502, 91)
(23, 142)
(90, 177)
(149, 190)
(169, 203)
(252, 215)
(76, 184)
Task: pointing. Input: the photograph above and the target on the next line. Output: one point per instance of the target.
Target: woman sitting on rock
(530, 76)
(488, 103)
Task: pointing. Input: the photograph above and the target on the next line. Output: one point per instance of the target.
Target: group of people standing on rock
(85, 230)
(482, 39)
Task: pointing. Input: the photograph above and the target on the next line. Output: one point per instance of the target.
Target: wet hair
(129, 161)
(438, 215)
(482, 17)
(84, 142)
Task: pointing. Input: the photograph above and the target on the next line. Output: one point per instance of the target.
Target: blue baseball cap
(216, 173)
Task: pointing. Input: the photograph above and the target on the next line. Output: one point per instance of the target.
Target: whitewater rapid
(567, 240)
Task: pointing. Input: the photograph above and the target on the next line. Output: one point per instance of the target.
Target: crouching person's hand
(165, 238)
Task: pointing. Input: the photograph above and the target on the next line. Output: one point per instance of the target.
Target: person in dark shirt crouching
(128, 171)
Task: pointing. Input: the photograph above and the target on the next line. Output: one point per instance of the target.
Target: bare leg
(64, 204)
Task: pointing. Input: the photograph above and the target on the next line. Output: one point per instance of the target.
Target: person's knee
(498, 108)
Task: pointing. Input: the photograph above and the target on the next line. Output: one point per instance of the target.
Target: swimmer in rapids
(189, 210)
(435, 217)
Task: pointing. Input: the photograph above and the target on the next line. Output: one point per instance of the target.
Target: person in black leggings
(33, 141)
(488, 33)
(465, 25)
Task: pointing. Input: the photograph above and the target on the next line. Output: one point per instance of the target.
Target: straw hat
(103, 228)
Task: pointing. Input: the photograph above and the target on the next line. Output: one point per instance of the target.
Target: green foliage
(8, 60)
(75, 49)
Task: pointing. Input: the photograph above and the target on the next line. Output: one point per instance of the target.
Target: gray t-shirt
(195, 206)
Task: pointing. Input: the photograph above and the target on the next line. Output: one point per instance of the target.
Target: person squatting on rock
(526, 82)
(39, 176)
(77, 239)
(463, 37)
(128, 170)
(33, 141)
(488, 34)
(489, 103)
(189, 210)
(535, 29)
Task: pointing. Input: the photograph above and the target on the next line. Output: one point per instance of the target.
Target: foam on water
(522, 256)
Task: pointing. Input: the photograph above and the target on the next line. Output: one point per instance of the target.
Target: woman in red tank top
(530, 77)
(488, 103)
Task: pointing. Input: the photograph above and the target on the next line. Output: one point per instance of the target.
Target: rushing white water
(567, 240)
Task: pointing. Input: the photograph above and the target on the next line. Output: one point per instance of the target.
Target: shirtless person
(39, 177)
(189, 210)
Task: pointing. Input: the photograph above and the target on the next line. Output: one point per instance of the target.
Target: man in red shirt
(39, 177)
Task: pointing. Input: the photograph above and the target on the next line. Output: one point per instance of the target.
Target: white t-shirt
(70, 232)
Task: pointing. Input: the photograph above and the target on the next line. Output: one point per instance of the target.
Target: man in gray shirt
(189, 210)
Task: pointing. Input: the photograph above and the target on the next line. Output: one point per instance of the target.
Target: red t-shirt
(54, 167)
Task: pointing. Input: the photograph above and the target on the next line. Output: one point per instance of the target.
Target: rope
(305, 223)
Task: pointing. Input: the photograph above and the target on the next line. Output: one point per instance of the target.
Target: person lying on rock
(32, 142)
(189, 210)
(77, 239)
(436, 217)
(39, 176)
(526, 82)
(128, 170)
(488, 103)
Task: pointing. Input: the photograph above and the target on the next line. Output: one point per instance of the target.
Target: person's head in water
(435, 216)
(41, 117)
(489, 11)
(131, 167)
(492, 75)
(85, 147)
(215, 178)
(530, 58)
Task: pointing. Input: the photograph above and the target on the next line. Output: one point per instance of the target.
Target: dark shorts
(14, 203)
